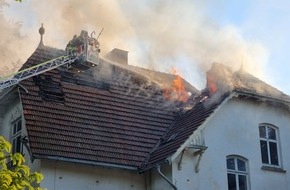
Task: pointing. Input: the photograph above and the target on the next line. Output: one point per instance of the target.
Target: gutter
(165, 178)
(101, 164)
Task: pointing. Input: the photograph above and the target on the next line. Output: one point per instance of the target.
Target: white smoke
(158, 34)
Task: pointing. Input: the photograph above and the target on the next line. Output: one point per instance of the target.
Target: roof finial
(41, 32)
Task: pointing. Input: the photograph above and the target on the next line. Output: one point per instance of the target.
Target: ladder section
(36, 70)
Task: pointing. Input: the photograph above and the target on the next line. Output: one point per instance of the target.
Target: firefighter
(71, 46)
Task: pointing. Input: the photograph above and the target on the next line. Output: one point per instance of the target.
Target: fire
(177, 91)
(211, 85)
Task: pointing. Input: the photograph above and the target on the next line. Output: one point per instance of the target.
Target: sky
(188, 35)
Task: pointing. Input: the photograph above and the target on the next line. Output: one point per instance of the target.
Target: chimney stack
(118, 56)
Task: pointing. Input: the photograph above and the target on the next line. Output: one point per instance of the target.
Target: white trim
(238, 172)
(267, 140)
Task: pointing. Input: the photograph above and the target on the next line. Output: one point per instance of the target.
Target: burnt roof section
(222, 79)
(73, 116)
(245, 82)
(163, 79)
(221, 83)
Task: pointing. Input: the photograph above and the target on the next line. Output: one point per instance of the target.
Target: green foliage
(17, 176)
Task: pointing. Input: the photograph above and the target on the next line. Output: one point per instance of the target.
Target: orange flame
(211, 85)
(177, 91)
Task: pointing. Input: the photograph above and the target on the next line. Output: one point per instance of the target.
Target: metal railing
(15, 78)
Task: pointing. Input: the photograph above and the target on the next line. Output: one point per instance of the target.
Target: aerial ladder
(82, 52)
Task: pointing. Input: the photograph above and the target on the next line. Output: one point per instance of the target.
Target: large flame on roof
(211, 85)
(177, 90)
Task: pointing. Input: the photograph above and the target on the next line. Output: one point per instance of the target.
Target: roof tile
(119, 124)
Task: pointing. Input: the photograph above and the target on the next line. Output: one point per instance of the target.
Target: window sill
(273, 169)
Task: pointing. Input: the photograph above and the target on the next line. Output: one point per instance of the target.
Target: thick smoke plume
(158, 34)
(12, 44)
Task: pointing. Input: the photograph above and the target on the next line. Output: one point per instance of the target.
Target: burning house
(95, 123)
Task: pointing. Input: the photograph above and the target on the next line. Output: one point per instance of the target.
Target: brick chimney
(118, 56)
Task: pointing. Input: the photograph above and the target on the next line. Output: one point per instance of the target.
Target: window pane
(271, 133)
(262, 130)
(14, 142)
(232, 182)
(242, 182)
(18, 144)
(231, 164)
(19, 126)
(241, 165)
(274, 153)
(14, 128)
(264, 152)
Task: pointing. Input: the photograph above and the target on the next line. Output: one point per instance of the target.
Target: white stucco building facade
(233, 131)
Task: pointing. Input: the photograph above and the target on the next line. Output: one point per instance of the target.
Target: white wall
(159, 183)
(69, 176)
(13, 111)
(234, 130)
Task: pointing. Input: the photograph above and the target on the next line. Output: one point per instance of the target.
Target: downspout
(164, 177)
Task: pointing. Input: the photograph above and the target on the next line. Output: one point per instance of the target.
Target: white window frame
(268, 141)
(16, 134)
(238, 172)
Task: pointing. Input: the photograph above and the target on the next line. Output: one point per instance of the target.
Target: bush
(17, 176)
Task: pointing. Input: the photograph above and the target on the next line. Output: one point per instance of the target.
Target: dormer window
(269, 143)
(16, 136)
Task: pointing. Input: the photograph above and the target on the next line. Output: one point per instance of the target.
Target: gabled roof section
(222, 79)
(103, 121)
(245, 82)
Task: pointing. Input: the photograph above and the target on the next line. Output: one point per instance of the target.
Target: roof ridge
(241, 75)
(151, 70)
(40, 48)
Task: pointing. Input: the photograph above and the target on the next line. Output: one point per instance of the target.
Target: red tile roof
(120, 119)
(74, 116)
(181, 130)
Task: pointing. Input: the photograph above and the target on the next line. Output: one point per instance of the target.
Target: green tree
(18, 176)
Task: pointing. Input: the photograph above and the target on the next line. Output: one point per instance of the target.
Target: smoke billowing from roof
(10, 43)
(158, 34)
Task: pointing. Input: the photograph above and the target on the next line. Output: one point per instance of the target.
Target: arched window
(237, 172)
(269, 143)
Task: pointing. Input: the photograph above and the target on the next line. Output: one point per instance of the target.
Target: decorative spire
(41, 32)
